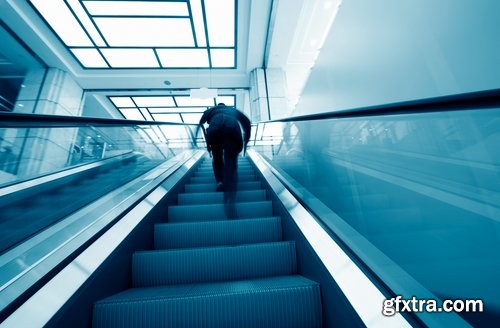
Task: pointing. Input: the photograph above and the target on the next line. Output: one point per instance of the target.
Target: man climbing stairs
(208, 270)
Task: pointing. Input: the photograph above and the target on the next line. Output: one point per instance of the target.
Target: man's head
(221, 104)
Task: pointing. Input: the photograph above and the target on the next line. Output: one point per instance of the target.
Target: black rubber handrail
(465, 101)
(37, 120)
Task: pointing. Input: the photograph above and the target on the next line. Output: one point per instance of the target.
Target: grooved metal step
(217, 233)
(207, 212)
(289, 301)
(186, 266)
(241, 178)
(210, 187)
(218, 197)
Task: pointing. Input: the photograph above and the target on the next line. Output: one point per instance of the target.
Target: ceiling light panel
(89, 57)
(222, 58)
(179, 34)
(136, 8)
(191, 118)
(183, 58)
(154, 101)
(220, 22)
(146, 32)
(174, 118)
(226, 100)
(130, 58)
(64, 23)
(131, 114)
(185, 101)
(122, 102)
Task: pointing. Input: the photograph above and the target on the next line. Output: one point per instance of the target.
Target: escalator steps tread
(183, 266)
(283, 301)
(217, 233)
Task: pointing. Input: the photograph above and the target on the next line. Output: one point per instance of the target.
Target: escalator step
(210, 212)
(218, 197)
(217, 233)
(210, 187)
(184, 266)
(211, 179)
(290, 301)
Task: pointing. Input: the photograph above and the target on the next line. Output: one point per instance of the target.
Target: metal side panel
(362, 294)
(24, 266)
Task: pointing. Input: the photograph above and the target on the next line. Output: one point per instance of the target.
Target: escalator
(211, 270)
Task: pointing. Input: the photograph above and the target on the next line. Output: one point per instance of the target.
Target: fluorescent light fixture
(131, 114)
(198, 22)
(146, 114)
(183, 57)
(166, 110)
(193, 102)
(220, 22)
(175, 118)
(60, 18)
(222, 57)
(122, 101)
(136, 8)
(202, 93)
(139, 58)
(146, 32)
(227, 100)
(86, 22)
(89, 57)
(191, 118)
(154, 101)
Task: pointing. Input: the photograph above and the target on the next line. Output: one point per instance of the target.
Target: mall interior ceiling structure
(120, 50)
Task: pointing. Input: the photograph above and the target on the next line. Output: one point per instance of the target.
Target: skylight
(145, 34)
(176, 109)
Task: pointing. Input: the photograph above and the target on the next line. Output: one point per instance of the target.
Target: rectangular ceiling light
(191, 118)
(130, 58)
(86, 22)
(199, 22)
(146, 114)
(220, 22)
(60, 18)
(146, 32)
(122, 101)
(89, 57)
(222, 58)
(131, 114)
(184, 101)
(136, 8)
(174, 118)
(171, 58)
(158, 101)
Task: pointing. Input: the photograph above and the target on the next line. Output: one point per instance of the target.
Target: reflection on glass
(423, 189)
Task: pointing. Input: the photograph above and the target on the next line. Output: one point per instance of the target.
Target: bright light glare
(86, 22)
(175, 118)
(63, 22)
(131, 114)
(190, 102)
(183, 57)
(122, 101)
(136, 8)
(191, 118)
(159, 110)
(199, 26)
(130, 57)
(90, 58)
(220, 22)
(146, 32)
(146, 114)
(222, 57)
(159, 101)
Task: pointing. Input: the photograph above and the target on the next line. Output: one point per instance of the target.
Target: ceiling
(160, 48)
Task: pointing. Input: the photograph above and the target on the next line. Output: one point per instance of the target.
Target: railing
(35, 145)
(411, 189)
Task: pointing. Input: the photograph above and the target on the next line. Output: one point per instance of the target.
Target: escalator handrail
(38, 120)
(464, 101)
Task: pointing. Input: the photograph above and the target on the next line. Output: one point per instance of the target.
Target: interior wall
(387, 51)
